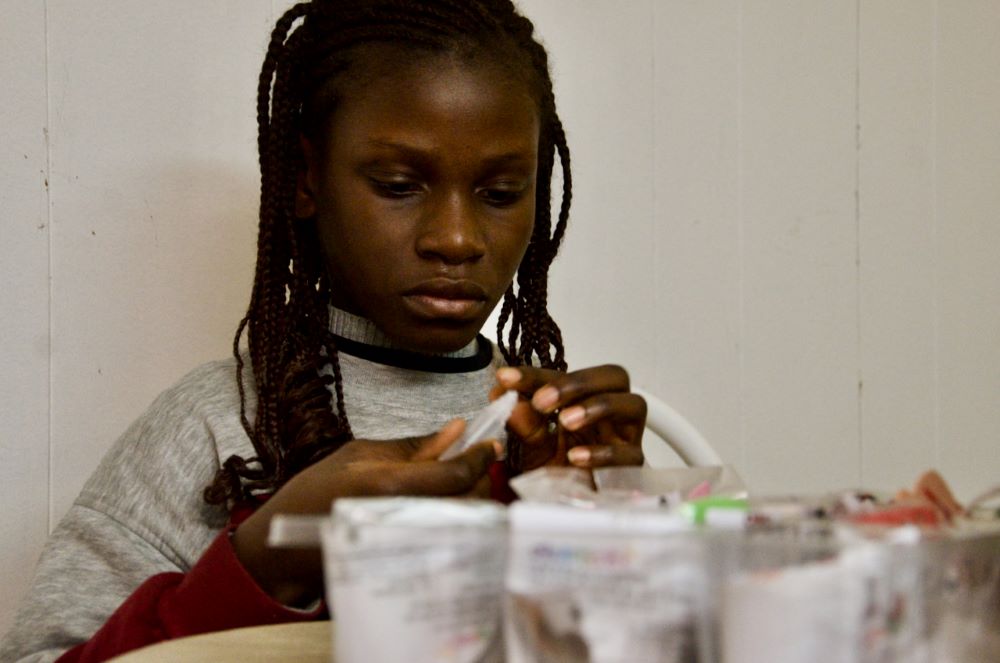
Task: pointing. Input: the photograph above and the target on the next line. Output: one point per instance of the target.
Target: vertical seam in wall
(741, 241)
(48, 207)
(857, 243)
(653, 197)
(935, 262)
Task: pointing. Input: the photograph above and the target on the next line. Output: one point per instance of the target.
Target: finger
(552, 390)
(524, 420)
(527, 423)
(605, 455)
(432, 446)
(482, 489)
(496, 392)
(525, 379)
(451, 477)
(625, 408)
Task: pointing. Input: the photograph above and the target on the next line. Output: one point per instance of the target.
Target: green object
(697, 510)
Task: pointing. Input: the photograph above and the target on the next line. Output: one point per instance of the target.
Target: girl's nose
(451, 231)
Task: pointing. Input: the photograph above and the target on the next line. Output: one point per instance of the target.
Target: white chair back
(670, 425)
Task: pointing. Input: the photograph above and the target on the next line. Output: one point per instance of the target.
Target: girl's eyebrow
(516, 158)
(394, 145)
(421, 156)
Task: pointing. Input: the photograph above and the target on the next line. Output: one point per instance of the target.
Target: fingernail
(572, 417)
(579, 455)
(545, 399)
(508, 376)
(498, 449)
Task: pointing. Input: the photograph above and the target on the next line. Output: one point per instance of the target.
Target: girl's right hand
(360, 468)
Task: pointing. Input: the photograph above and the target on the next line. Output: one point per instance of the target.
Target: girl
(406, 151)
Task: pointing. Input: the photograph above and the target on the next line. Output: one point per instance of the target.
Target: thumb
(432, 446)
(457, 476)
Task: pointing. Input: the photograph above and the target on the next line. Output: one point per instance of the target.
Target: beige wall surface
(785, 223)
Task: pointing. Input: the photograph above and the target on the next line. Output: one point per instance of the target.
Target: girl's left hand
(586, 418)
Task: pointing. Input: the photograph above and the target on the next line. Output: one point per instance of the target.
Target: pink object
(703, 489)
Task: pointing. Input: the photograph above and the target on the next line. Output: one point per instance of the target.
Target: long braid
(293, 356)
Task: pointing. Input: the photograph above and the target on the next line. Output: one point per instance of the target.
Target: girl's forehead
(435, 104)
(439, 88)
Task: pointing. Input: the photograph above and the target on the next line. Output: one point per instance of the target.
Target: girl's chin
(434, 337)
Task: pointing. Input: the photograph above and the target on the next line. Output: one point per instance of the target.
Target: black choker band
(416, 361)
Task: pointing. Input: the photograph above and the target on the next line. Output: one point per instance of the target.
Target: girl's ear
(305, 188)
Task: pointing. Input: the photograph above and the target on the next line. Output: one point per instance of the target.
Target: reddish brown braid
(314, 50)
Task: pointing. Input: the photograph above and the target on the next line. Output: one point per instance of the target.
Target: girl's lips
(444, 298)
(431, 307)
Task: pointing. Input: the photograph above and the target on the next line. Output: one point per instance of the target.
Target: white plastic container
(415, 580)
(603, 586)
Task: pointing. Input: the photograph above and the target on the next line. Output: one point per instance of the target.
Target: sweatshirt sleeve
(139, 516)
(215, 595)
(93, 567)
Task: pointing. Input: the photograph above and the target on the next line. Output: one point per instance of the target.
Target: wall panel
(967, 146)
(896, 241)
(154, 206)
(799, 240)
(24, 325)
(697, 263)
(600, 290)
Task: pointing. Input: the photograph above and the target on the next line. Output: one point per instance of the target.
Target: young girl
(407, 151)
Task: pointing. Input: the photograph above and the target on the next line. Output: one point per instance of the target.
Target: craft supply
(604, 585)
(416, 579)
(488, 424)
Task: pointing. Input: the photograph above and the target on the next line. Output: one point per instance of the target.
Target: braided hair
(314, 50)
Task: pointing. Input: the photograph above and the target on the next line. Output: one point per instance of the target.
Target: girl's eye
(395, 188)
(501, 196)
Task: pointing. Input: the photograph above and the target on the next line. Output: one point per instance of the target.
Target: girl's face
(423, 190)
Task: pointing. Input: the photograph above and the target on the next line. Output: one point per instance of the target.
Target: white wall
(24, 299)
(785, 222)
